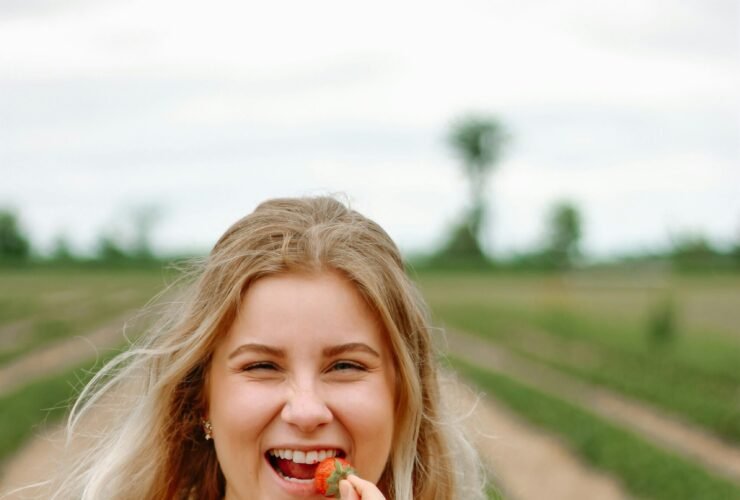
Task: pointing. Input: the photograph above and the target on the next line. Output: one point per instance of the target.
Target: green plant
(644, 469)
(662, 327)
(40, 402)
(708, 384)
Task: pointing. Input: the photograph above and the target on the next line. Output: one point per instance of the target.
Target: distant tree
(61, 249)
(691, 250)
(13, 244)
(129, 236)
(691, 245)
(735, 251)
(463, 244)
(735, 254)
(109, 249)
(478, 141)
(564, 226)
(144, 219)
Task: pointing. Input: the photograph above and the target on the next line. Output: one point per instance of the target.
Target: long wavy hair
(146, 404)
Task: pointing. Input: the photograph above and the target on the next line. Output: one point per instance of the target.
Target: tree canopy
(478, 141)
(13, 244)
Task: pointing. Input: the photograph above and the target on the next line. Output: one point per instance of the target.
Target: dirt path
(652, 424)
(60, 355)
(526, 463)
(45, 450)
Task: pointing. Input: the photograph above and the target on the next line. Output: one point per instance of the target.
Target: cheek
(367, 403)
(367, 414)
(241, 405)
(239, 414)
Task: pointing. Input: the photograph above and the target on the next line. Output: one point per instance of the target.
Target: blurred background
(563, 178)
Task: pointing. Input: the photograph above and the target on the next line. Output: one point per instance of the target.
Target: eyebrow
(280, 353)
(350, 347)
(259, 349)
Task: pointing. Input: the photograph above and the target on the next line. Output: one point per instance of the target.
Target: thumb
(346, 491)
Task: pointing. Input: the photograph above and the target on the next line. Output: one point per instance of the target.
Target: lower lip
(297, 489)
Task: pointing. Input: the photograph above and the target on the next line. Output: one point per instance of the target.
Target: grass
(707, 396)
(604, 321)
(595, 326)
(645, 470)
(40, 306)
(40, 402)
(699, 351)
(706, 303)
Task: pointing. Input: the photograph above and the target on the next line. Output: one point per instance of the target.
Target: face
(303, 373)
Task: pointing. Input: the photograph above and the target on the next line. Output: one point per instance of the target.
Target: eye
(347, 365)
(260, 365)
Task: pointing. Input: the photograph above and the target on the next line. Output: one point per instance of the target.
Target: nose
(306, 410)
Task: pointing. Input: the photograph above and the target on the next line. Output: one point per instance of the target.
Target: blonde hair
(151, 444)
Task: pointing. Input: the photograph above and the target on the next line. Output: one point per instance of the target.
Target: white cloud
(211, 110)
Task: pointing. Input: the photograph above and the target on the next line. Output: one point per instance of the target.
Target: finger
(346, 491)
(367, 490)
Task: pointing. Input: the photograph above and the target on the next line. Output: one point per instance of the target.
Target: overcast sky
(630, 109)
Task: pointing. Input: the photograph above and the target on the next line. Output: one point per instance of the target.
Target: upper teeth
(303, 457)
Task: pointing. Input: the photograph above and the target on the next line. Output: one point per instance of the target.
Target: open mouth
(299, 465)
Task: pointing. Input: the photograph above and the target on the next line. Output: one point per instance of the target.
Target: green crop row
(37, 308)
(687, 389)
(700, 352)
(40, 402)
(646, 471)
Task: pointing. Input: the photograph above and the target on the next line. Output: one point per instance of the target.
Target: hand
(354, 488)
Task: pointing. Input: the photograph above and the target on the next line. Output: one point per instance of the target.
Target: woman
(301, 338)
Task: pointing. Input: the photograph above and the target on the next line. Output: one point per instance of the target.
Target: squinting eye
(259, 366)
(347, 365)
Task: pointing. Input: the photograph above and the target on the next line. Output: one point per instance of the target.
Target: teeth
(302, 457)
(299, 481)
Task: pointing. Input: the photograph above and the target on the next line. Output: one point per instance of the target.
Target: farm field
(40, 306)
(42, 310)
(584, 326)
(591, 329)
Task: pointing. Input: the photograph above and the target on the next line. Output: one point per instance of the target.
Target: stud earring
(207, 428)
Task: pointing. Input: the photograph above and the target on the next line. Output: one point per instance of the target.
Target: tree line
(479, 141)
(16, 246)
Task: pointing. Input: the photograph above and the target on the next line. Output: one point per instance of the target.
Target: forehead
(297, 307)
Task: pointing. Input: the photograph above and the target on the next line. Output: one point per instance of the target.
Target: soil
(652, 424)
(60, 355)
(527, 463)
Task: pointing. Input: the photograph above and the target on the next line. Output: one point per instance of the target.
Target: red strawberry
(328, 474)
